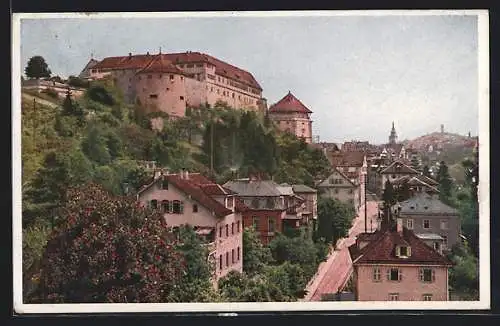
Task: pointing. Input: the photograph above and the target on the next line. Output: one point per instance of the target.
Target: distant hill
(441, 141)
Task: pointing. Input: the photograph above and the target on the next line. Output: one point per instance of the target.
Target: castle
(169, 82)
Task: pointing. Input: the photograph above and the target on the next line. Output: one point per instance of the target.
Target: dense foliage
(37, 68)
(109, 249)
(334, 220)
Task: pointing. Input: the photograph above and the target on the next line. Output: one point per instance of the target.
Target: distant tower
(393, 137)
(442, 128)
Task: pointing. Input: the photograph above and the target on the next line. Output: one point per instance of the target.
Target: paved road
(334, 273)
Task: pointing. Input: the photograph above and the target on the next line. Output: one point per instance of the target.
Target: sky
(356, 73)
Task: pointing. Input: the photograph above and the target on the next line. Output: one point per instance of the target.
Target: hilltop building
(169, 82)
(191, 198)
(290, 115)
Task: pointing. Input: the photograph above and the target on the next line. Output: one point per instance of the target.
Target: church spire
(393, 136)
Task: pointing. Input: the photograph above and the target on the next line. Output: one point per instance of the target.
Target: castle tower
(393, 136)
(442, 128)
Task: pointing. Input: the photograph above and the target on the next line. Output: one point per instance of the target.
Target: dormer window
(403, 251)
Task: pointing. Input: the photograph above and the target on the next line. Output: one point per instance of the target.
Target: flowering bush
(109, 249)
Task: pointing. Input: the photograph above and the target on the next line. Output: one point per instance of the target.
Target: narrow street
(335, 271)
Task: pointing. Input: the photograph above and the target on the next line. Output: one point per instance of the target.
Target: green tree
(334, 220)
(95, 144)
(60, 170)
(37, 68)
(444, 180)
(255, 255)
(389, 195)
(196, 283)
(107, 249)
(464, 276)
(403, 192)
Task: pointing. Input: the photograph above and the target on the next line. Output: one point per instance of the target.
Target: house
(393, 264)
(426, 215)
(310, 196)
(85, 73)
(395, 170)
(180, 79)
(290, 115)
(191, 198)
(341, 187)
(354, 166)
(417, 183)
(267, 206)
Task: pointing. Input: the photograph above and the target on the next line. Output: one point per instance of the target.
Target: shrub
(51, 92)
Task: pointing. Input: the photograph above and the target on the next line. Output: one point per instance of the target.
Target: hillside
(440, 141)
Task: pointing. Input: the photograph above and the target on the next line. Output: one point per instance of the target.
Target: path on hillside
(334, 272)
(39, 100)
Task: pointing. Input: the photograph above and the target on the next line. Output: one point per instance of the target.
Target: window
(255, 203)
(238, 253)
(436, 246)
(232, 228)
(270, 222)
(171, 77)
(181, 98)
(227, 259)
(427, 224)
(165, 206)
(393, 296)
(154, 204)
(153, 96)
(238, 227)
(220, 232)
(394, 274)
(269, 203)
(427, 297)
(220, 261)
(255, 223)
(403, 251)
(376, 275)
(409, 224)
(332, 181)
(182, 78)
(233, 95)
(195, 208)
(445, 240)
(178, 207)
(427, 275)
(232, 256)
(227, 230)
(444, 224)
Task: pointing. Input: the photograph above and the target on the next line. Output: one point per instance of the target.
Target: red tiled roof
(216, 190)
(381, 249)
(346, 158)
(289, 104)
(193, 185)
(197, 193)
(221, 68)
(159, 64)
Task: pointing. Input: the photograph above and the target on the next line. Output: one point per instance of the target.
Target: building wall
(311, 204)
(125, 80)
(196, 93)
(263, 227)
(298, 124)
(452, 233)
(204, 218)
(410, 288)
(169, 89)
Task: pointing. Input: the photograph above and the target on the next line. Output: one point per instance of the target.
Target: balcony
(211, 246)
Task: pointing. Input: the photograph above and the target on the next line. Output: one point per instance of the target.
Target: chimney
(130, 54)
(147, 53)
(399, 225)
